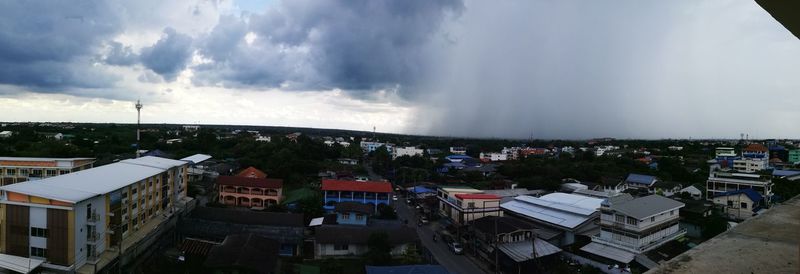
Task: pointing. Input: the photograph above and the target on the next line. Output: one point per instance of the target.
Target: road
(456, 264)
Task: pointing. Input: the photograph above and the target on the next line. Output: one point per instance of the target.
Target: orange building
(252, 172)
(19, 169)
(249, 192)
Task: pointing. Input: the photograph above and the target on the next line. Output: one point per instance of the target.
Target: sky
(503, 69)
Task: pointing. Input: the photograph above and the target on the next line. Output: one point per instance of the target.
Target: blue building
(352, 213)
(337, 191)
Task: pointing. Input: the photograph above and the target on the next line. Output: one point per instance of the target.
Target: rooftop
(561, 209)
(369, 186)
(41, 159)
(81, 185)
(477, 196)
(644, 207)
(197, 158)
(249, 182)
(246, 251)
(354, 207)
(640, 179)
(770, 241)
(749, 192)
(756, 147)
(252, 172)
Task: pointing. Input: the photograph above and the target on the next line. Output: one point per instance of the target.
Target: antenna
(373, 134)
(138, 124)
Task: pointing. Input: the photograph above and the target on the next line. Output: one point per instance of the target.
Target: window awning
(19, 264)
(609, 252)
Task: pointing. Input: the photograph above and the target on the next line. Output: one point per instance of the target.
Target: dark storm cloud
(169, 55)
(52, 48)
(120, 55)
(351, 45)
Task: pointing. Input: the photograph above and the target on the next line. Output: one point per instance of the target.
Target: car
(408, 201)
(423, 219)
(456, 248)
(394, 197)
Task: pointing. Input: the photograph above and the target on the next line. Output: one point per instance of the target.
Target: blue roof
(407, 269)
(422, 189)
(785, 172)
(752, 194)
(640, 179)
(454, 165)
(777, 148)
(458, 157)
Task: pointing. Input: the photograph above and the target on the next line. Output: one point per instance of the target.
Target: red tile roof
(252, 173)
(463, 196)
(341, 185)
(249, 182)
(756, 147)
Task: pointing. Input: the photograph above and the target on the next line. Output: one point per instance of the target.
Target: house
(367, 192)
(244, 253)
(74, 220)
(693, 191)
(368, 147)
(6, 134)
(407, 151)
(463, 204)
(292, 137)
(197, 170)
(173, 141)
(640, 181)
(352, 213)
(252, 172)
(249, 192)
(261, 138)
(348, 161)
(214, 224)
(739, 204)
(631, 226)
(407, 269)
(20, 169)
(755, 157)
(507, 241)
(458, 150)
(720, 181)
(794, 155)
(352, 240)
(694, 216)
(569, 214)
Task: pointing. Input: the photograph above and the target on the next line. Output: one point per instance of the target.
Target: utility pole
(138, 124)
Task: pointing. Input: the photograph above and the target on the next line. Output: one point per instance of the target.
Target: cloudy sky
(551, 69)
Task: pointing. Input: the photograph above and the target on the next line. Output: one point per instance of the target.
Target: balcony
(635, 248)
(93, 237)
(93, 218)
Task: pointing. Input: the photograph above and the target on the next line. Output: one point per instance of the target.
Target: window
(124, 227)
(471, 205)
(11, 172)
(632, 221)
(345, 215)
(359, 217)
(37, 173)
(620, 218)
(652, 219)
(51, 172)
(730, 203)
(24, 172)
(133, 191)
(744, 205)
(39, 232)
(340, 247)
(38, 252)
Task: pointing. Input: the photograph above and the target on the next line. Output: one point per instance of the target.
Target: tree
(381, 160)
(380, 250)
(411, 255)
(386, 212)
(311, 207)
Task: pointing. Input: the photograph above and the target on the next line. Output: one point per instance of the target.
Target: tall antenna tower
(138, 124)
(373, 134)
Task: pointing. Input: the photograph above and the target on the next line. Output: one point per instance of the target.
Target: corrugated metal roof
(81, 185)
(640, 179)
(647, 206)
(19, 264)
(197, 158)
(561, 209)
(609, 252)
(523, 251)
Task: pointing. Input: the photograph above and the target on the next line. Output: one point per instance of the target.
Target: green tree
(411, 255)
(380, 249)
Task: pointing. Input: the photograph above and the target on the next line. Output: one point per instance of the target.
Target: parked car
(456, 248)
(394, 197)
(423, 219)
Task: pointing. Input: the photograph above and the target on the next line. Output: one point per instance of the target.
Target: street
(456, 264)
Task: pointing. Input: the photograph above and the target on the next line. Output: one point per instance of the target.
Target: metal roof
(41, 159)
(609, 252)
(640, 179)
(749, 192)
(19, 264)
(522, 251)
(197, 158)
(81, 185)
(647, 206)
(561, 209)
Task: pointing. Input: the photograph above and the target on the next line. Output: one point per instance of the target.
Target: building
(507, 242)
(215, 224)
(739, 204)
(352, 240)
(693, 191)
(409, 269)
(569, 214)
(368, 147)
(794, 156)
(86, 219)
(6, 134)
(493, 156)
(20, 169)
(755, 157)
(407, 151)
(724, 156)
(252, 172)
(631, 226)
(367, 192)
(352, 213)
(462, 208)
(721, 181)
(779, 152)
(348, 161)
(458, 150)
(640, 181)
(249, 192)
(261, 138)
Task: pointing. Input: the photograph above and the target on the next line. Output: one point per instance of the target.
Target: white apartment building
(368, 147)
(725, 152)
(494, 156)
(407, 151)
(458, 150)
(631, 226)
(720, 182)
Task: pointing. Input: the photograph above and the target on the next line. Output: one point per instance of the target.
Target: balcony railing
(93, 218)
(638, 248)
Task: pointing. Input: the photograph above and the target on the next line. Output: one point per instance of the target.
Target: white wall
(38, 218)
